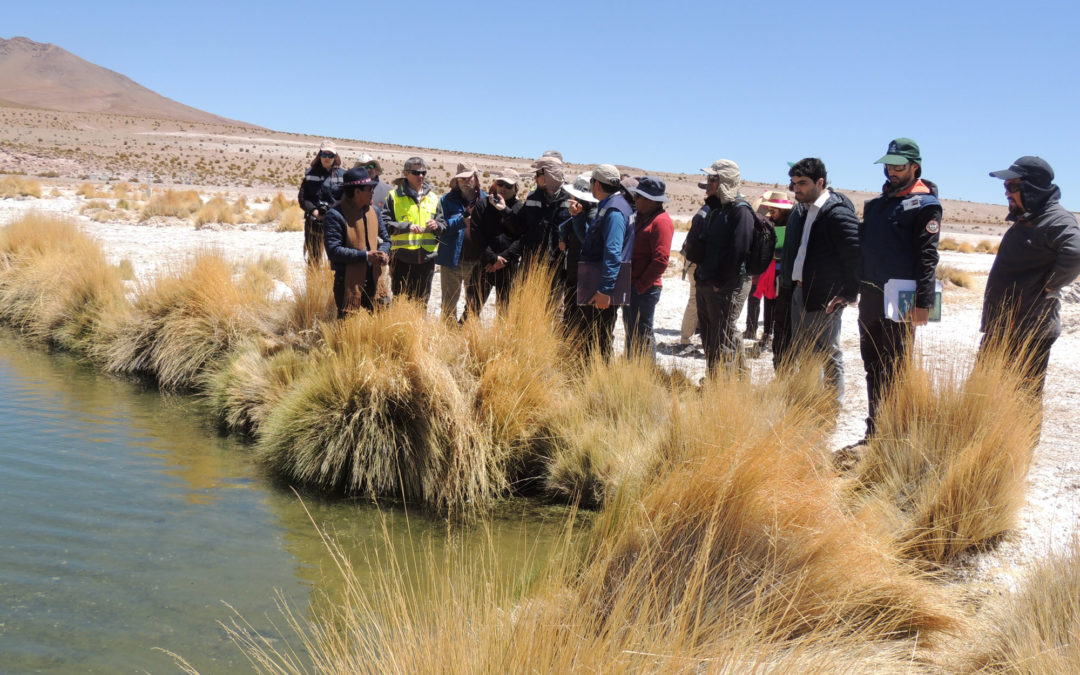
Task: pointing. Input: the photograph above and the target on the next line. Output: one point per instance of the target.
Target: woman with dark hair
(320, 190)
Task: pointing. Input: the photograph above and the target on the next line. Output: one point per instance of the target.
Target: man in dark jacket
(819, 266)
(721, 280)
(357, 243)
(898, 239)
(545, 209)
(1038, 255)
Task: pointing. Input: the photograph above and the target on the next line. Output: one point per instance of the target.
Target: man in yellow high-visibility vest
(409, 213)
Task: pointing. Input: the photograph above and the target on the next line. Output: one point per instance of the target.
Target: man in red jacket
(652, 246)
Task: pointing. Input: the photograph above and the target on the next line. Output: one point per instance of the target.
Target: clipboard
(900, 297)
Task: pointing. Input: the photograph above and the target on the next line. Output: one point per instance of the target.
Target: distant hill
(39, 75)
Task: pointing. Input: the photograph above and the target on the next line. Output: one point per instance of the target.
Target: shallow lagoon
(127, 522)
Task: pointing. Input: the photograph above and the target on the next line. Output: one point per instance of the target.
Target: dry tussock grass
(1034, 628)
(55, 285)
(948, 244)
(90, 191)
(175, 203)
(986, 246)
(123, 190)
(384, 409)
(956, 277)
(273, 211)
(949, 461)
(182, 323)
(292, 219)
(216, 210)
(18, 186)
(965, 247)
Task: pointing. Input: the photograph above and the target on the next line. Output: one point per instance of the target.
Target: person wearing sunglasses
(374, 168)
(409, 212)
(1039, 254)
(357, 244)
(898, 239)
(461, 242)
(320, 189)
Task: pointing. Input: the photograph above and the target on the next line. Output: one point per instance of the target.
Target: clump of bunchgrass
(950, 456)
(519, 363)
(948, 244)
(273, 211)
(174, 203)
(216, 210)
(384, 409)
(292, 219)
(250, 383)
(90, 191)
(55, 284)
(18, 186)
(965, 247)
(122, 190)
(1034, 628)
(954, 276)
(183, 322)
(986, 246)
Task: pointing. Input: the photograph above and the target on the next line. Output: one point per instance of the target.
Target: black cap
(1030, 169)
(354, 177)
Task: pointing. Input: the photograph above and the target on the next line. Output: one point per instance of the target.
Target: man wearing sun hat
(502, 232)
(374, 168)
(571, 235)
(898, 239)
(1038, 255)
(653, 230)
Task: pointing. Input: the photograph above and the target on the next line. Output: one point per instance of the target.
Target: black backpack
(762, 246)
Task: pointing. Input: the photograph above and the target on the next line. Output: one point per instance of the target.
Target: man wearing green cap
(898, 239)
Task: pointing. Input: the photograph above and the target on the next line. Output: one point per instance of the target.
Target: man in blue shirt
(608, 244)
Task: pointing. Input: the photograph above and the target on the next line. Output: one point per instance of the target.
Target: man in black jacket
(722, 283)
(1038, 255)
(898, 239)
(819, 266)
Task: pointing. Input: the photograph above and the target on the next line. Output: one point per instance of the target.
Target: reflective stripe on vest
(407, 210)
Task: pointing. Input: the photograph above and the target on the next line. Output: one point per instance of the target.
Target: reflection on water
(126, 523)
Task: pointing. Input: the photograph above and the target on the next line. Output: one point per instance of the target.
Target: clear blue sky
(664, 86)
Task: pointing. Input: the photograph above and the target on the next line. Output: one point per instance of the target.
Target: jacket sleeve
(1065, 240)
(845, 235)
(384, 234)
(302, 196)
(926, 244)
(337, 251)
(388, 217)
(514, 222)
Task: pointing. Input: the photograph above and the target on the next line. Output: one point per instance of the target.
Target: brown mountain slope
(46, 76)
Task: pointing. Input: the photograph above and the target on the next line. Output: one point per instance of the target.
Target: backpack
(763, 244)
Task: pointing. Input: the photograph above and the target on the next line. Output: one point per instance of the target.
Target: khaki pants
(451, 280)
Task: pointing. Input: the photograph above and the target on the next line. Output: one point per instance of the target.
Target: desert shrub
(55, 285)
(292, 219)
(183, 322)
(948, 244)
(18, 186)
(383, 409)
(1034, 628)
(95, 204)
(950, 455)
(216, 210)
(250, 382)
(175, 203)
(954, 276)
(126, 270)
(986, 246)
(965, 247)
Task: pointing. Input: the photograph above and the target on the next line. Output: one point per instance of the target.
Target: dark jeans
(638, 322)
(718, 308)
(599, 330)
(753, 312)
(313, 241)
(781, 332)
(884, 344)
(412, 280)
(479, 289)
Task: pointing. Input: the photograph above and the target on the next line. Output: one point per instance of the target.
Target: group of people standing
(607, 238)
